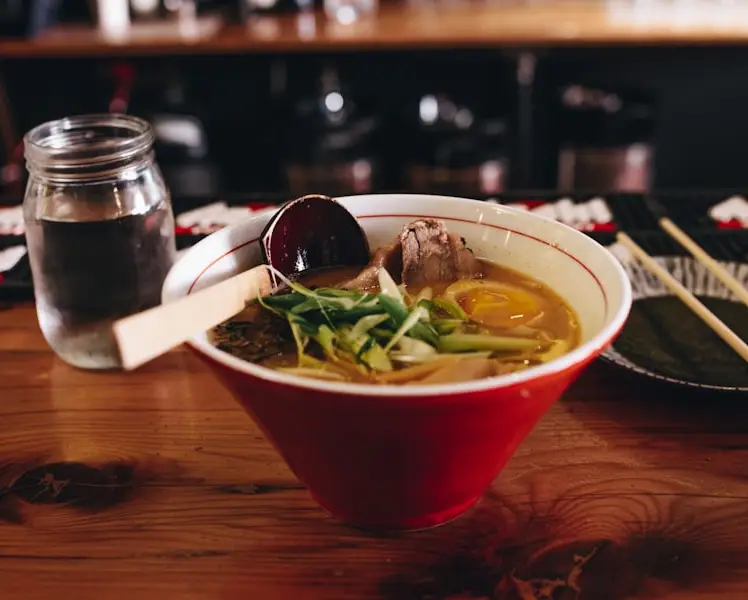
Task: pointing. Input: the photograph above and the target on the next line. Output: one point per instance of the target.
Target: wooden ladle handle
(146, 335)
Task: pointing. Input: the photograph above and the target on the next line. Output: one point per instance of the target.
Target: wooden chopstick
(701, 255)
(722, 330)
(144, 336)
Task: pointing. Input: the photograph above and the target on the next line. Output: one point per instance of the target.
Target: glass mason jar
(99, 230)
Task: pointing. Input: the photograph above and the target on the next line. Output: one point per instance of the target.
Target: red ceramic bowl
(389, 457)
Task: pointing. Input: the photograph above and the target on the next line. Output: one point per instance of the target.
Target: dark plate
(664, 340)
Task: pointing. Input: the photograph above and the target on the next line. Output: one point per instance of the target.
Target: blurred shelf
(560, 23)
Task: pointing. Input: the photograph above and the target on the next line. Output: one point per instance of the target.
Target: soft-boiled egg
(494, 304)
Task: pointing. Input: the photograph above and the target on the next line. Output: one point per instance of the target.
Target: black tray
(662, 339)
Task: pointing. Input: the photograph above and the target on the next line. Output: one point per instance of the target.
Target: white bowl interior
(578, 269)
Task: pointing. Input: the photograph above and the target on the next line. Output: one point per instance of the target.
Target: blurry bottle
(181, 137)
(145, 9)
(27, 18)
(456, 151)
(330, 148)
(348, 12)
(606, 141)
(247, 9)
(113, 17)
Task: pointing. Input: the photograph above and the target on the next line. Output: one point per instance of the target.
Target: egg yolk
(496, 305)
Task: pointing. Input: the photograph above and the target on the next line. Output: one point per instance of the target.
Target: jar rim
(87, 141)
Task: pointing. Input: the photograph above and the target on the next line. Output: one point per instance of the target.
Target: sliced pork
(423, 254)
(431, 255)
(390, 257)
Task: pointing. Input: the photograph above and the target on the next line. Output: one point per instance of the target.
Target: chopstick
(701, 255)
(722, 330)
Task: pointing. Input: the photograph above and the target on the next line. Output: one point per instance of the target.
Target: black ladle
(306, 234)
(313, 232)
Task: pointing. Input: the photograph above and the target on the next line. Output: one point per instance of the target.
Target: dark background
(246, 102)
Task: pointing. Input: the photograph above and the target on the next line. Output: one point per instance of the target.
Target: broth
(523, 323)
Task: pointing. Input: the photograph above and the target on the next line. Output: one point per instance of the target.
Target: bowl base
(406, 525)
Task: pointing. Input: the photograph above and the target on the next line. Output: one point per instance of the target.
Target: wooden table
(411, 25)
(155, 485)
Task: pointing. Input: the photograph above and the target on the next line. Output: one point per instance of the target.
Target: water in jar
(93, 273)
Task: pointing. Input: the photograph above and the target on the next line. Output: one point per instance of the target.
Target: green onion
(444, 326)
(326, 339)
(376, 358)
(284, 301)
(299, 338)
(451, 308)
(427, 304)
(399, 314)
(366, 350)
(366, 323)
(474, 342)
(381, 334)
(410, 322)
(335, 292)
(388, 287)
(414, 347)
(339, 315)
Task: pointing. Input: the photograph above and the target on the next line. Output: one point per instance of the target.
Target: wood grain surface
(420, 24)
(154, 485)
